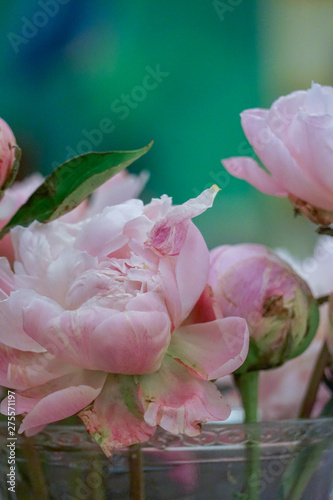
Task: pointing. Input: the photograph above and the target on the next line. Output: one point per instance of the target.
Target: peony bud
(250, 281)
(7, 151)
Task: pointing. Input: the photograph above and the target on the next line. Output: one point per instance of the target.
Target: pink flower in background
(293, 139)
(91, 323)
(250, 281)
(7, 151)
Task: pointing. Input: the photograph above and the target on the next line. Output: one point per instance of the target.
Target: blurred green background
(78, 75)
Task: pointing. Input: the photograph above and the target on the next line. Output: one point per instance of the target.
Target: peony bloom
(250, 281)
(293, 139)
(91, 323)
(7, 151)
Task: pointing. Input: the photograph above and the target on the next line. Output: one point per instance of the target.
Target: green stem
(137, 490)
(317, 376)
(34, 469)
(247, 384)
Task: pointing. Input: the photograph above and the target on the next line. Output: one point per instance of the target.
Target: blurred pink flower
(91, 323)
(252, 282)
(7, 150)
(293, 139)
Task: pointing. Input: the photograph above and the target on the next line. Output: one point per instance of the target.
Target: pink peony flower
(293, 139)
(250, 281)
(7, 151)
(91, 323)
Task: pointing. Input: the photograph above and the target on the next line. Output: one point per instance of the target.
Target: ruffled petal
(211, 350)
(103, 234)
(116, 418)
(168, 235)
(178, 401)
(97, 338)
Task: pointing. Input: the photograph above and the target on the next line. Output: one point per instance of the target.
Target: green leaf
(69, 184)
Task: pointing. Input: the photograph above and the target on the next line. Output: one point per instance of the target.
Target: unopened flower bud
(250, 281)
(7, 151)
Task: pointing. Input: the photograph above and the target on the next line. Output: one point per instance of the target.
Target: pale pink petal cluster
(293, 139)
(122, 187)
(91, 322)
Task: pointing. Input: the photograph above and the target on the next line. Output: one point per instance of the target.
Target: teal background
(58, 83)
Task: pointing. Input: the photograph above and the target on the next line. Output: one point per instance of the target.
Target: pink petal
(103, 234)
(313, 145)
(22, 404)
(178, 401)
(211, 350)
(168, 235)
(78, 391)
(7, 280)
(192, 270)
(248, 169)
(137, 342)
(116, 419)
(118, 189)
(21, 370)
(12, 333)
